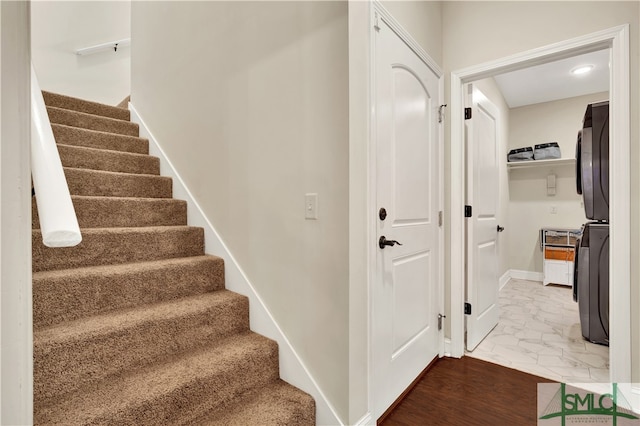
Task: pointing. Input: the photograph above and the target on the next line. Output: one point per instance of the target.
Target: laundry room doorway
(535, 325)
(616, 40)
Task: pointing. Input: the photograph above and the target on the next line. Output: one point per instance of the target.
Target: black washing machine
(591, 281)
(591, 274)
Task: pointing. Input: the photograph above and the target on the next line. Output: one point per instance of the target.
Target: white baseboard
(366, 420)
(292, 368)
(447, 347)
(504, 279)
(519, 275)
(526, 275)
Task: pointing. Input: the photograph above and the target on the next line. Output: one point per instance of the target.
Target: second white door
(483, 226)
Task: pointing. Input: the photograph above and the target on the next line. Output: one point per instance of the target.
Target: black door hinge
(467, 308)
(467, 211)
(467, 113)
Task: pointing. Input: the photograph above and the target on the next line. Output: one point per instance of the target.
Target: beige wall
(635, 206)
(477, 32)
(421, 19)
(58, 28)
(530, 206)
(250, 103)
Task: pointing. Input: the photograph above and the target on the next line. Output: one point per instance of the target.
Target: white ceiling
(554, 81)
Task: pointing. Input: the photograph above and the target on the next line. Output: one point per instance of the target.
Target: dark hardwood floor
(469, 391)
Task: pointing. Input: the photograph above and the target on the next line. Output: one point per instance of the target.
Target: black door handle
(500, 228)
(382, 242)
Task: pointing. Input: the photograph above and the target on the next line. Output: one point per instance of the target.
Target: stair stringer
(292, 368)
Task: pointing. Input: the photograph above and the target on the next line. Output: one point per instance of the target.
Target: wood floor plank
(469, 391)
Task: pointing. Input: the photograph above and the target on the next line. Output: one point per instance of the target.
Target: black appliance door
(576, 265)
(579, 166)
(586, 171)
(600, 254)
(581, 279)
(601, 156)
(592, 282)
(592, 161)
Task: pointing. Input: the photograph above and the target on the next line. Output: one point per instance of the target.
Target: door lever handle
(500, 228)
(382, 242)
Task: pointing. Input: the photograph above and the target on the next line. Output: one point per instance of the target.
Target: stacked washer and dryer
(591, 274)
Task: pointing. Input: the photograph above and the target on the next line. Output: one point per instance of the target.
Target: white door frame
(617, 39)
(16, 334)
(379, 12)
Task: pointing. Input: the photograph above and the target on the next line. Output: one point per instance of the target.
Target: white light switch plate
(311, 206)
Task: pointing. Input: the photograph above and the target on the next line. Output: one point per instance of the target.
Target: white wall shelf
(541, 163)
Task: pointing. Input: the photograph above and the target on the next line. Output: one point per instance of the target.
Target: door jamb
(16, 310)
(379, 12)
(617, 39)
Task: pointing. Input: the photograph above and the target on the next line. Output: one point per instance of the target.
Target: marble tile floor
(539, 333)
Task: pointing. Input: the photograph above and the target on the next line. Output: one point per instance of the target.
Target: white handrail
(58, 221)
(111, 45)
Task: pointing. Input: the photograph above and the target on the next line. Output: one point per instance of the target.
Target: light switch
(551, 184)
(311, 206)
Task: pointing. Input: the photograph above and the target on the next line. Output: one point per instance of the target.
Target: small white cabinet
(558, 254)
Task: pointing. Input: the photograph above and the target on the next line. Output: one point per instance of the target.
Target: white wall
(250, 102)
(530, 206)
(16, 342)
(477, 32)
(58, 28)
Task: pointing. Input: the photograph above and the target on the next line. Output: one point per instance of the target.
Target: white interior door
(482, 226)
(405, 288)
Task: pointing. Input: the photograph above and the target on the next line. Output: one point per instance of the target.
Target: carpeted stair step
(90, 121)
(68, 135)
(117, 184)
(133, 326)
(275, 404)
(81, 105)
(123, 212)
(80, 157)
(173, 392)
(110, 246)
(70, 294)
(70, 355)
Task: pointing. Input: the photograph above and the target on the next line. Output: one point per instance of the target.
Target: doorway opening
(537, 328)
(615, 39)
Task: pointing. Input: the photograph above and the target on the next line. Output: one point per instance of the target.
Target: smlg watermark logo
(563, 404)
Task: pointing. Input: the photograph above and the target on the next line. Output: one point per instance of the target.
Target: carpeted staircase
(134, 325)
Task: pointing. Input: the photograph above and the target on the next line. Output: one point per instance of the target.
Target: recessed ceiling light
(583, 69)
